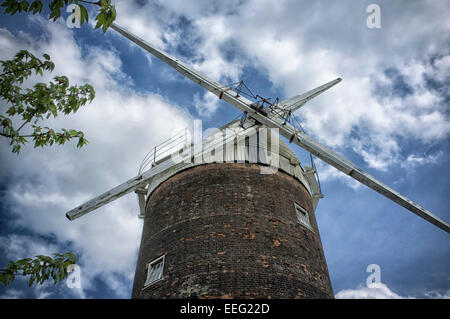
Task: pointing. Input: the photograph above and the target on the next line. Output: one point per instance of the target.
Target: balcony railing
(163, 151)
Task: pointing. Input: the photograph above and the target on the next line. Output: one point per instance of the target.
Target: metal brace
(294, 136)
(222, 92)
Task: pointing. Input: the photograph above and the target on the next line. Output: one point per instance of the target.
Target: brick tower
(224, 230)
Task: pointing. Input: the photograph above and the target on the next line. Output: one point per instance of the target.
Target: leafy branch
(105, 16)
(40, 269)
(40, 102)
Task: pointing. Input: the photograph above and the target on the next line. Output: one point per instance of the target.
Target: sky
(389, 116)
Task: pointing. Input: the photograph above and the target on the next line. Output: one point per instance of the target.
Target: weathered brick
(219, 243)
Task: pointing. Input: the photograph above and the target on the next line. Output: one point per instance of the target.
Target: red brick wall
(228, 231)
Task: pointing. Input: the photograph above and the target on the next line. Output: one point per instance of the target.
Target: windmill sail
(140, 181)
(296, 102)
(287, 130)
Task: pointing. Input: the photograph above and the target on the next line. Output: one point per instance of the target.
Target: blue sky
(389, 116)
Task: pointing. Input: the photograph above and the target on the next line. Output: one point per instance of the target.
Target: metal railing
(163, 151)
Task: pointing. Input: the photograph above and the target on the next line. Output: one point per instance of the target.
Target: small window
(302, 215)
(155, 271)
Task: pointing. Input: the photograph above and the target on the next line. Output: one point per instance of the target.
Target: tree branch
(24, 123)
(97, 3)
(28, 135)
(8, 270)
(25, 69)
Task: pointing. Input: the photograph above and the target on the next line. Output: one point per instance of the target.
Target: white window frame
(155, 272)
(302, 216)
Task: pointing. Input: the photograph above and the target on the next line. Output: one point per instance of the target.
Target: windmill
(256, 116)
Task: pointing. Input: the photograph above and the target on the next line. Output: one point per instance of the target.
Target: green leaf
(14, 8)
(100, 20)
(113, 13)
(38, 7)
(31, 281)
(16, 149)
(55, 14)
(11, 111)
(24, 5)
(38, 102)
(83, 14)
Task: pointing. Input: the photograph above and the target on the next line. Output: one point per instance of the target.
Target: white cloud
(142, 19)
(213, 60)
(382, 291)
(329, 173)
(26, 246)
(375, 291)
(207, 104)
(23, 246)
(12, 294)
(302, 47)
(43, 184)
(377, 151)
(416, 160)
(436, 294)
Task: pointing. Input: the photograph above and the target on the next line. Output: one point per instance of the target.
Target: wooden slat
(263, 146)
(309, 172)
(284, 164)
(241, 151)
